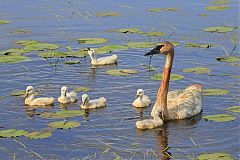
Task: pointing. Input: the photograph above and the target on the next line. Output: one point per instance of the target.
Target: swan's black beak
(155, 50)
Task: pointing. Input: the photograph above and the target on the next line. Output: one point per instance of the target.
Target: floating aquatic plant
(215, 92)
(12, 133)
(4, 22)
(121, 72)
(215, 156)
(195, 45)
(154, 33)
(110, 48)
(216, 8)
(173, 77)
(219, 29)
(19, 93)
(12, 58)
(25, 42)
(175, 43)
(40, 46)
(39, 135)
(229, 59)
(71, 62)
(14, 51)
(219, 1)
(150, 68)
(92, 40)
(204, 15)
(235, 109)
(51, 54)
(220, 117)
(126, 30)
(162, 9)
(81, 89)
(64, 124)
(107, 14)
(140, 45)
(22, 31)
(62, 114)
(198, 70)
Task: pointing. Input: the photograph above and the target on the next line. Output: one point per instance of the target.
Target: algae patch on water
(64, 124)
(39, 134)
(215, 92)
(107, 14)
(62, 114)
(121, 72)
(216, 8)
(4, 22)
(92, 40)
(219, 29)
(81, 89)
(110, 48)
(195, 45)
(173, 77)
(234, 109)
(12, 133)
(215, 156)
(140, 45)
(162, 9)
(198, 70)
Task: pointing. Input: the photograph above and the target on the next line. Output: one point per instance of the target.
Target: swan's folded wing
(42, 101)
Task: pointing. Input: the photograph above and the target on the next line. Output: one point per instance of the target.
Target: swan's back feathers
(45, 101)
(72, 96)
(107, 60)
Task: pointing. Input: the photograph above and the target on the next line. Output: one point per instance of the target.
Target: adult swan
(171, 105)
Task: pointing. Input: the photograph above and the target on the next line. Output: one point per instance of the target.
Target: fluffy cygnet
(67, 97)
(141, 99)
(101, 61)
(31, 101)
(96, 103)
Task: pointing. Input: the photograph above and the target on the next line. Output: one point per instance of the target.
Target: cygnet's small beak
(137, 95)
(155, 50)
(88, 49)
(84, 102)
(26, 95)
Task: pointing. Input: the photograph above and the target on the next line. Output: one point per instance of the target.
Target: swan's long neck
(93, 57)
(29, 98)
(163, 90)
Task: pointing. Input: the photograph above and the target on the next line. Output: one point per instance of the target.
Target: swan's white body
(67, 97)
(179, 104)
(31, 101)
(101, 61)
(96, 103)
(141, 99)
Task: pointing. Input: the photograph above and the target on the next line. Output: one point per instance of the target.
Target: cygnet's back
(96, 103)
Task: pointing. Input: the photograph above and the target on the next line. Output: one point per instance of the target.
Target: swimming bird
(101, 61)
(31, 101)
(96, 103)
(67, 97)
(141, 99)
(179, 104)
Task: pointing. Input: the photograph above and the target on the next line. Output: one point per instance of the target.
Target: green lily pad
(150, 68)
(235, 109)
(71, 62)
(11, 133)
(51, 54)
(194, 45)
(62, 114)
(215, 156)
(107, 14)
(14, 51)
(12, 59)
(40, 46)
(126, 30)
(22, 31)
(219, 29)
(4, 22)
(20, 93)
(219, 1)
(173, 77)
(64, 124)
(110, 48)
(215, 92)
(204, 15)
(198, 70)
(121, 72)
(26, 42)
(140, 45)
(81, 89)
(234, 64)
(39, 135)
(154, 33)
(175, 43)
(162, 9)
(216, 8)
(220, 117)
(228, 59)
(92, 40)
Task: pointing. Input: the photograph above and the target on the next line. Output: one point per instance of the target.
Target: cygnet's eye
(92, 49)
